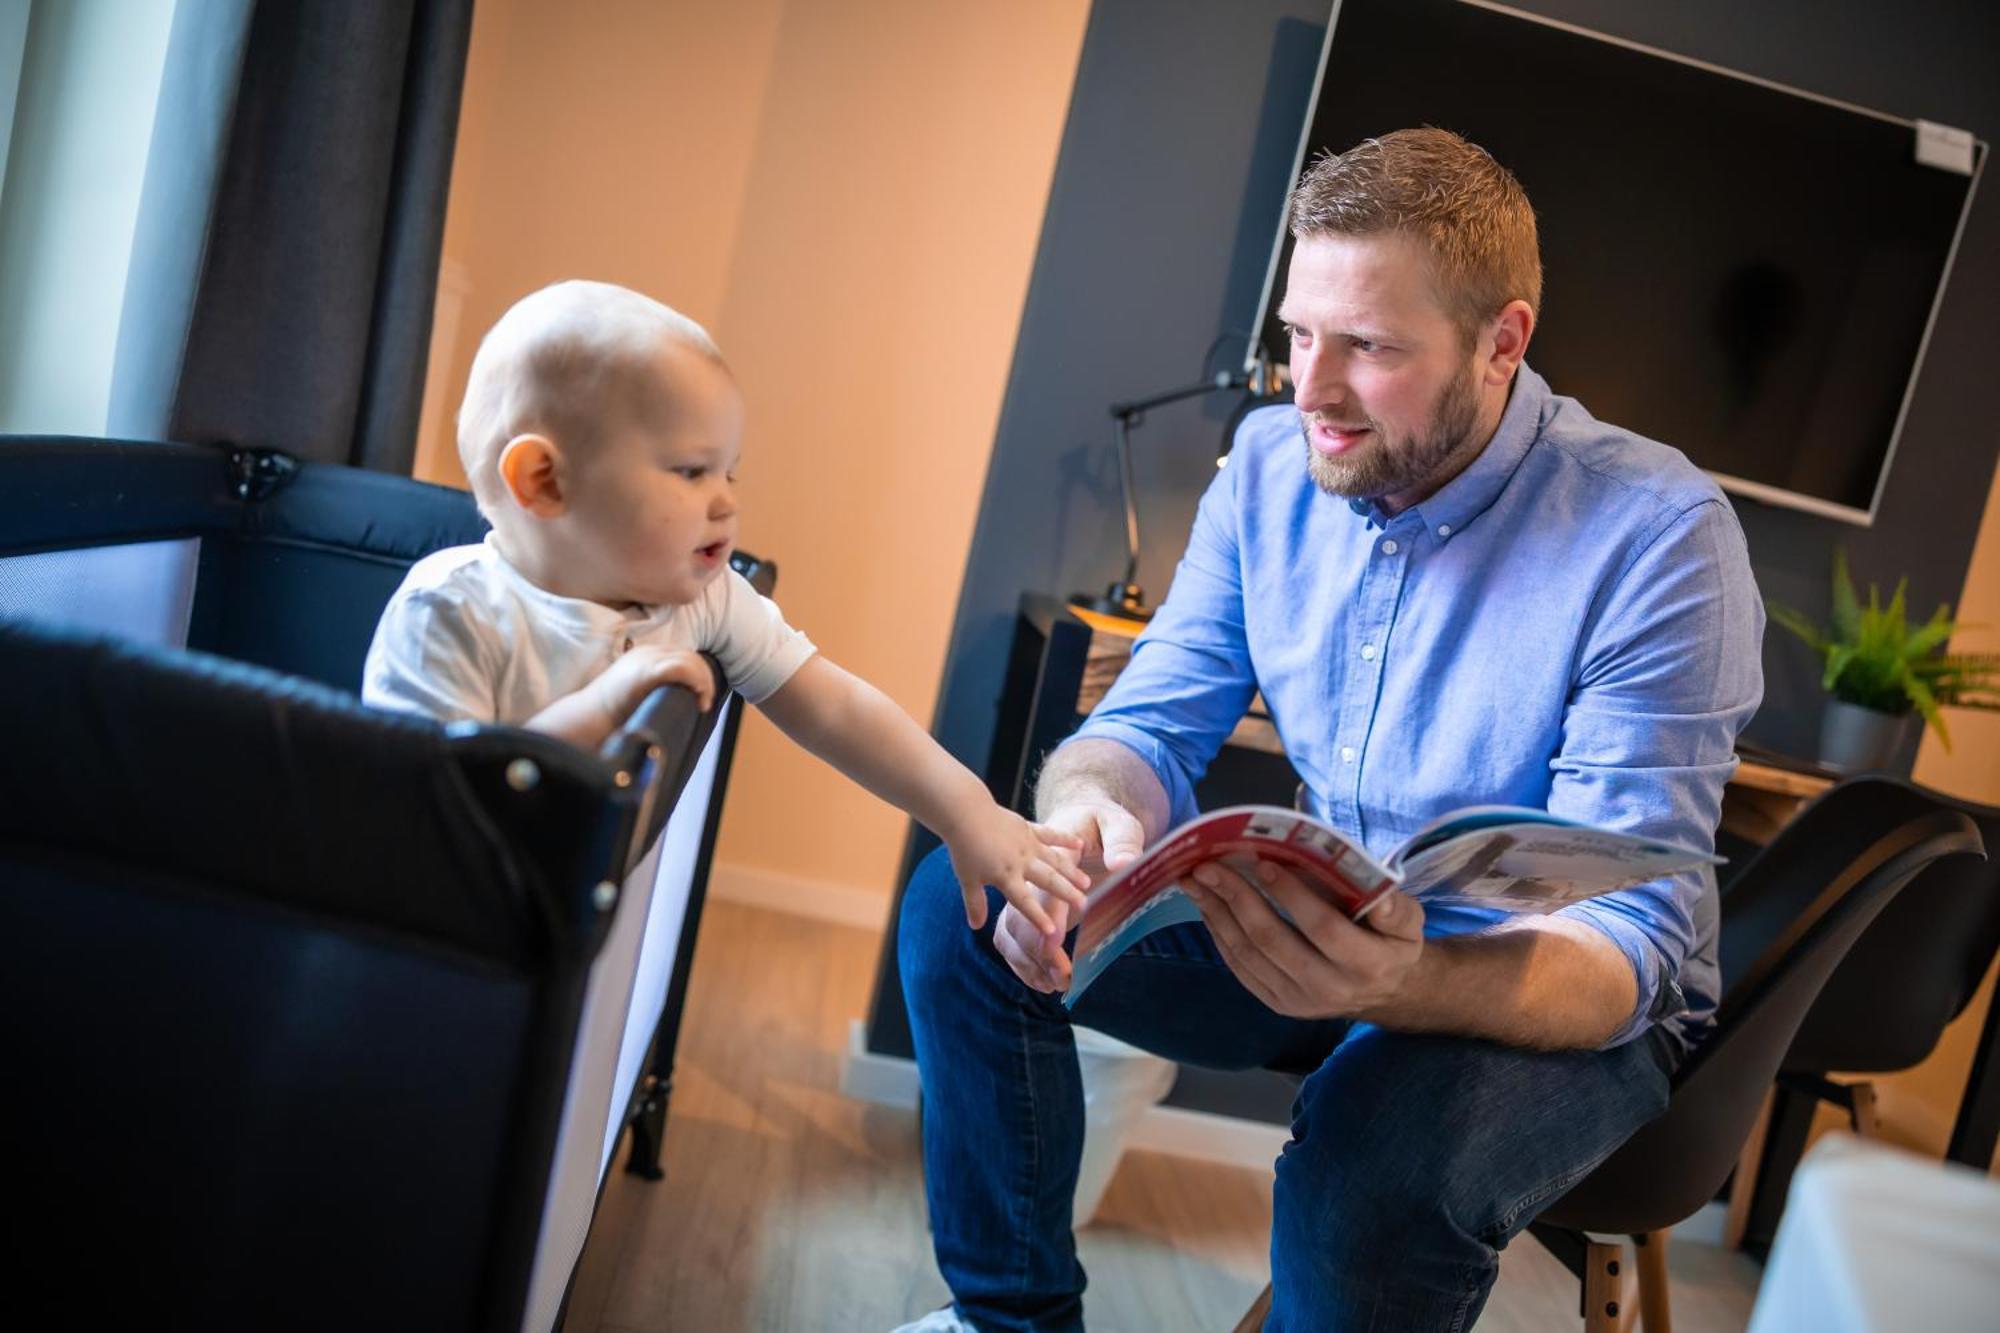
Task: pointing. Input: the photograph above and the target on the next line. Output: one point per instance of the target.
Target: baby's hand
(627, 682)
(998, 847)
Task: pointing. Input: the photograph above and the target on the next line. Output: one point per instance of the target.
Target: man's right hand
(1112, 839)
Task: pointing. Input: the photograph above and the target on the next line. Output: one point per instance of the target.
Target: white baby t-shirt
(467, 636)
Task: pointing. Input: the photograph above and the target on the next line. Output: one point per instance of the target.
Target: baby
(600, 432)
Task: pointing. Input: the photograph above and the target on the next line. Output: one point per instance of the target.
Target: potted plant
(1884, 674)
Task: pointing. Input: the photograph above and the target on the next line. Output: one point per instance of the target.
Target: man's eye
(1365, 345)
(691, 473)
(1297, 334)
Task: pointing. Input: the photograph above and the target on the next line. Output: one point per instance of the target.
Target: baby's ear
(531, 468)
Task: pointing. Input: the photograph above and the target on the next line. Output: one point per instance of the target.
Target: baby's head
(600, 432)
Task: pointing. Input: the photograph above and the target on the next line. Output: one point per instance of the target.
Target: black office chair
(1787, 922)
(1884, 1008)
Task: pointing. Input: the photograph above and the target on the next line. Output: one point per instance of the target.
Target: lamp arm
(1131, 504)
(1222, 379)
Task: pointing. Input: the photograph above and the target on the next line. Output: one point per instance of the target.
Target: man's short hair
(1449, 195)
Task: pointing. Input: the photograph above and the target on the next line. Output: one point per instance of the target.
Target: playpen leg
(649, 1127)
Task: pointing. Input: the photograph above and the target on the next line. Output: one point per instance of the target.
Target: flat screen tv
(1745, 271)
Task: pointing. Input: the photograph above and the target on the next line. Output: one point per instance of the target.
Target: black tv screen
(1744, 271)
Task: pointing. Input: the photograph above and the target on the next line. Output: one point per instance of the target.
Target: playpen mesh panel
(135, 590)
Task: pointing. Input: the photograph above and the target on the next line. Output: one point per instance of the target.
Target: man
(1456, 587)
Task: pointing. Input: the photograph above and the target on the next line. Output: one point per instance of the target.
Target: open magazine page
(1471, 819)
(1145, 896)
(1535, 865)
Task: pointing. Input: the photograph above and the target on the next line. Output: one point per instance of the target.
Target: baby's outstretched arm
(587, 716)
(860, 731)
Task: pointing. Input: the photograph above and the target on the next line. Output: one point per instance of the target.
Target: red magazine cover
(1144, 896)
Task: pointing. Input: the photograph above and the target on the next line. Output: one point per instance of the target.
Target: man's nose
(1317, 383)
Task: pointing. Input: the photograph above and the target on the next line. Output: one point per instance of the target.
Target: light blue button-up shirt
(1569, 624)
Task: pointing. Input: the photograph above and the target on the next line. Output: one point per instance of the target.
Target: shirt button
(1389, 547)
(1367, 652)
(1444, 529)
(1347, 754)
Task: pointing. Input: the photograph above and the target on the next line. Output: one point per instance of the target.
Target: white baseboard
(886, 1080)
(1207, 1137)
(890, 1080)
(819, 899)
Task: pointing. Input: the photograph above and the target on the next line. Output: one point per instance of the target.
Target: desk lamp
(1125, 599)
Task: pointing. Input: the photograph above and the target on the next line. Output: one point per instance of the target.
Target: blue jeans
(1412, 1160)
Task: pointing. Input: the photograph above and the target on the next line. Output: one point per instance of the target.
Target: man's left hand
(1318, 965)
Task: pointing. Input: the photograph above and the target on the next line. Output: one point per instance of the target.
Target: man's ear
(531, 468)
(1510, 331)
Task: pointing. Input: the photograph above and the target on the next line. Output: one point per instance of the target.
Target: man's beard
(1385, 466)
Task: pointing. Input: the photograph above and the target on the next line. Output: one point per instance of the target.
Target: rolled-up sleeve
(1670, 670)
(1190, 678)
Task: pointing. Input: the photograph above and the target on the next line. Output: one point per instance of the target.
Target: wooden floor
(788, 1207)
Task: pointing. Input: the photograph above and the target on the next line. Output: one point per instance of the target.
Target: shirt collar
(1469, 494)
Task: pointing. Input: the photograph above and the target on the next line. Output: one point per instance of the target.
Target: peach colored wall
(849, 196)
(1918, 1105)
(602, 138)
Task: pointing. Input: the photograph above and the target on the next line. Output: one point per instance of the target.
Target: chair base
(1607, 1305)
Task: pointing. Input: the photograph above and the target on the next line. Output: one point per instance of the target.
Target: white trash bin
(1120, 1082)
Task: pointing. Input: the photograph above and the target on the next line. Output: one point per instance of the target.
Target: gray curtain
(285, 262)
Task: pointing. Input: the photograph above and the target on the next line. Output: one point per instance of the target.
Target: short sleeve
(747, 633)
(429, 657)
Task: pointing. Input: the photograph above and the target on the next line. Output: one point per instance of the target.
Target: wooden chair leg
(1743, 1188)
(1603, 1288)
(1253, 1318)
(1655, 1313)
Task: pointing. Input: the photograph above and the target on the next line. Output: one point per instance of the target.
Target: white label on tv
(1944, 147)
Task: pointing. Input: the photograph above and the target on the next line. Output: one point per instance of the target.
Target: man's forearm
(1543, 982)
(1092, 769)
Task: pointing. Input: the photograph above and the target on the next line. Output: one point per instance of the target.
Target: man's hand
(1108, 838)
(1032, 865)
(1036, 956)
(1319, 964)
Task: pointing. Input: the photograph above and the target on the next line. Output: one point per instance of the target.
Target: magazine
(1490, 856)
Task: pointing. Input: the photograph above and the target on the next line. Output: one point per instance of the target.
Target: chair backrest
(1787, 922)
(289, 989)
(1913, 970)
